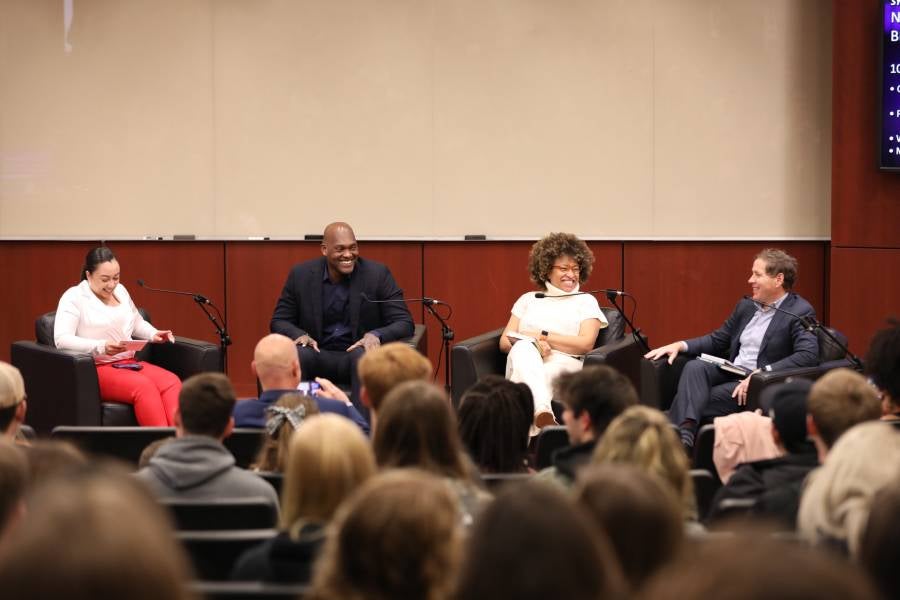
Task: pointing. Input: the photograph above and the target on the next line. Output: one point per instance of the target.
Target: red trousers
(153, 391)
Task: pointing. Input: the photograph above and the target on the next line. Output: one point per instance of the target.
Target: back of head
(416, 428)
(601, 391)
(839, 400)
(786, 405)
(750, 566)
(283, 419)
(397, 537)
(274, 358)
(642, 437)
(883, 361)
(880, 548)
(639, 513)
(13, 481)
(328, 458)
(495, 417)
(73, 544)
(12, 393)
(52, 458)
(387, 366)
(532, 542)
(205, 404)
(835, 503)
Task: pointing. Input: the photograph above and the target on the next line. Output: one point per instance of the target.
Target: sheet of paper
(135, 345)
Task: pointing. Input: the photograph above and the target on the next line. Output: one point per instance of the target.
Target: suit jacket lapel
(776, 324)
(315, 292)
(356, 287)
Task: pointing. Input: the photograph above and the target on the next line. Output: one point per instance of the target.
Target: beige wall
(618, 118)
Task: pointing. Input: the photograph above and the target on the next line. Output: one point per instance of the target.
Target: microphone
(809, 323)
(609, 294)
(197, 297)
(425, 300)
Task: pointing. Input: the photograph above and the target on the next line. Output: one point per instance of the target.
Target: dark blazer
(299, 309)
(786, 344)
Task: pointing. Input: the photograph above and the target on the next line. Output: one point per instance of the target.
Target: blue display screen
(889, 135)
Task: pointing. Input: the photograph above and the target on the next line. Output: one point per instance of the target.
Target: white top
(557, 311)
(84, 323)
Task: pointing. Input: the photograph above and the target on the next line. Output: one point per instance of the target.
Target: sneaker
(544, 419)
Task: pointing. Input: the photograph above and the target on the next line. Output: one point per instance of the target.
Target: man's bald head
(333, 229)
(275, 362)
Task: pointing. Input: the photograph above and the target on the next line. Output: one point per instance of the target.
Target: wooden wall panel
(865, 202)
(865, 289)
(34, 276)
(255, 275)
(482, 280)
(686, 289)
(196, 267)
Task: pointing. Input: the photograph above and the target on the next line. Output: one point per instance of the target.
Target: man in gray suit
(755, 337)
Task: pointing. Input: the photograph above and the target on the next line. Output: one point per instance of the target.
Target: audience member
(276, 366)
(879, 551)
(285, 417)
(835, 504)
(416, 428)
(196, 464)
(328, 458)
(533, 543)
(592, 398)
(495, 418)
(839, 400)
(12, 401)
(93, 534)
(396, 537)
(883, 367)
(643, 437)
(742, 437)
(775, 484)
(48, 459)
(13, 481)
(751, 566)
(380, 370)
(638, 512)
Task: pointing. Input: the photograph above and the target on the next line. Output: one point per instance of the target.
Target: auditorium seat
(62, 385)
(127, 443)
(659, 379)
(478, 356)
(706, 485)
(221, 513)
(275, 479)
(246, 590)
(495, 481)
(213, 553)
(548, 441)
(703, 451)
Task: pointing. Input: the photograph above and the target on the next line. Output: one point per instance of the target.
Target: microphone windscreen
(540, 295)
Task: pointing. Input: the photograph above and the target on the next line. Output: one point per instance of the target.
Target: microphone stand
(811, 324)
(635, 332)
(219, 324)
(447, 334)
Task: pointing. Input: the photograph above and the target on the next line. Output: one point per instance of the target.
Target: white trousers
(524, 364)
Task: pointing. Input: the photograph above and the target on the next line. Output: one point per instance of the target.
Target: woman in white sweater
(97, 316)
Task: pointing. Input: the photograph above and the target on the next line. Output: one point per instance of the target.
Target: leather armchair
(478, 356)
(62, 385)
(659, 380)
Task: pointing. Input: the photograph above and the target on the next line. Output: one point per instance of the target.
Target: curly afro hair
(547, 249)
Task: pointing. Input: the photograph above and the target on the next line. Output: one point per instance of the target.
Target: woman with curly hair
(550, 330)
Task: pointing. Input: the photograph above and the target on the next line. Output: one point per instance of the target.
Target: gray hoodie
(199, 467)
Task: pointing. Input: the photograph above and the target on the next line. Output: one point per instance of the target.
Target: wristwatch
(544, 334)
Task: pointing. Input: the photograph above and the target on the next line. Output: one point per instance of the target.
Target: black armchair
(659, 380)
(62, 385)
(480, 355)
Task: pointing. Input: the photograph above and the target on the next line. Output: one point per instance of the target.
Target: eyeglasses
(574, 269)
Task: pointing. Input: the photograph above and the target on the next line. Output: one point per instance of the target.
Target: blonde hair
(273, 454)
(397, 537)
(382, 369)
(328, 458)
(643, 437)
